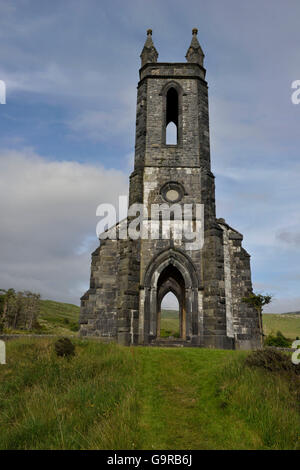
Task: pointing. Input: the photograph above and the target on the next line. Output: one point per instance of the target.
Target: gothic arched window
(172, 96)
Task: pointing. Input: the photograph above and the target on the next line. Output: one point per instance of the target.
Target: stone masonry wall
(98, 315)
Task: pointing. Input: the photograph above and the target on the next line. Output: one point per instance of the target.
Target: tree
(258, 301)
(19, 310)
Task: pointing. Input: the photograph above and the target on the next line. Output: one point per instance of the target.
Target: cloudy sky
(67, 129)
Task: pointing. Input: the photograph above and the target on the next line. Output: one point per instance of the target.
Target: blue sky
(67, 129)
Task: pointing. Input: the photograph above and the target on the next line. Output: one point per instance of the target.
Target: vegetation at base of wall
(278, 340)
(113, 397)
(169, 333)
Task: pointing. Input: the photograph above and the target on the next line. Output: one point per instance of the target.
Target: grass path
(180, 406)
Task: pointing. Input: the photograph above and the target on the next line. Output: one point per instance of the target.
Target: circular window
(172, 192)
(172, 195)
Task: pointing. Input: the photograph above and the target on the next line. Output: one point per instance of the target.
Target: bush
(74, 327)
(272, 360)
(169, 334)
(278, 341)
(64, 347)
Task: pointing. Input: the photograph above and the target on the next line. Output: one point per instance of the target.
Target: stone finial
(195, 53)
(149, 53)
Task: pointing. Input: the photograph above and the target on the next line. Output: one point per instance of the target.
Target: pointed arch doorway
(170, 271)
(171, 280)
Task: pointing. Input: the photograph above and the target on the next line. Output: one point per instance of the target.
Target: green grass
(112, 397)
(287, 323)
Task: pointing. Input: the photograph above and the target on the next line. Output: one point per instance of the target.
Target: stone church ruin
(130, 278)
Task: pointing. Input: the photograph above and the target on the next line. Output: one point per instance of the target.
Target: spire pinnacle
(195, 53)
(149, 53)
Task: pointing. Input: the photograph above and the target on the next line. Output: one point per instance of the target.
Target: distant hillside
(58, 318)
(287, 323)
(290, 313)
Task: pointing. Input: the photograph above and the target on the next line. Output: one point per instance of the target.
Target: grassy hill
(169, 323)
(287, 323)
(58, 318)
(112, 397)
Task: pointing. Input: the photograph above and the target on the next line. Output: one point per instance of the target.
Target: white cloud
(102, 126)
(48, 221)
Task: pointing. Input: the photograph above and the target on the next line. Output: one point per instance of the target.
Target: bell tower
(173, 93)
(129, 278)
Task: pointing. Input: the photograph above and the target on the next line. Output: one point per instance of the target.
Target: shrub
(64, 347)
(278, 341)
(272, 360)
(74, 327)
(169, 334)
